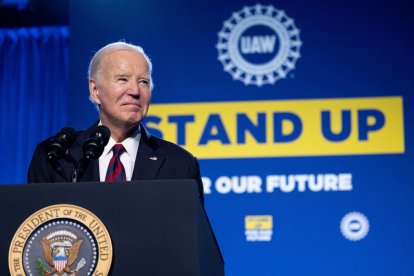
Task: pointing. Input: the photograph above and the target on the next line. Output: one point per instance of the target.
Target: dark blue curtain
(33, 93)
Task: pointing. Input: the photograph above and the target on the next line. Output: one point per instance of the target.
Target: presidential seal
(258, 45)
(61, 240)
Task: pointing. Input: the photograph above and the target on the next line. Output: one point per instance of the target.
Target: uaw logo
(258, 45)
(354, 226)
(258, 228)
(61, 240)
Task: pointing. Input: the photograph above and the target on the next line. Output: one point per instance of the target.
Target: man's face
(122, 88)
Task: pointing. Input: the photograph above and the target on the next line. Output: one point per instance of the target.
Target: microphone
(92, 149)
(94, 146)
(60, 143)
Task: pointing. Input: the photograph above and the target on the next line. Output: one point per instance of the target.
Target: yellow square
(258, 222)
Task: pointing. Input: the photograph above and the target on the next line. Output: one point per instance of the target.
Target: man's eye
(144, 81)
(122, 79)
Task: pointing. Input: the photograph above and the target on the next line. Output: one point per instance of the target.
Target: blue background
(350, 49)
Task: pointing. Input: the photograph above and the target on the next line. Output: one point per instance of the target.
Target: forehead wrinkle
(129, 70)
(139, 57)
(112, 65)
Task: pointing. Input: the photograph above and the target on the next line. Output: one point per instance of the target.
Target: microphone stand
(92, 149)
(80, 167)
(75, 175)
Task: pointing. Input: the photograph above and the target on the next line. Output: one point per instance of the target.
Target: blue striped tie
(116, 171)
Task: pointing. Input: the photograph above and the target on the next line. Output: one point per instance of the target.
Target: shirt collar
(130, 144)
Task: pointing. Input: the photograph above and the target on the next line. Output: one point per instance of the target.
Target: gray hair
(93, 69)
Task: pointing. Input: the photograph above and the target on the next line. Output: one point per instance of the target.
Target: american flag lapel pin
(153, 158)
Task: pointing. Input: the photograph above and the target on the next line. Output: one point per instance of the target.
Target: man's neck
(120, 133)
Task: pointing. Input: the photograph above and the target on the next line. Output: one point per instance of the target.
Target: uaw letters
(314, 127)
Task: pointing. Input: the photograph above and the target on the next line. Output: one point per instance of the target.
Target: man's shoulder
(80, 137)
(167, 147)
(79, 133)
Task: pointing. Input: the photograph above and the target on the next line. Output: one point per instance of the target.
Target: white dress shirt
(127, 158)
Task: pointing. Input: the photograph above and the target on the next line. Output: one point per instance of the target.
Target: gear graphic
(265, 73)
(354, 226)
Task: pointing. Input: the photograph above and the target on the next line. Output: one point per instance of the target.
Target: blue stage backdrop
(301, 113)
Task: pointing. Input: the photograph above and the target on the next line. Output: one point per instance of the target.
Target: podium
(157, 227)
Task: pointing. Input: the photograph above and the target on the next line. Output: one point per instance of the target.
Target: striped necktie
(116, 171)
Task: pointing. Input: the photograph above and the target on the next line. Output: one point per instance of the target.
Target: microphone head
(94, 146)
(60, 143)
(69, 134)
(104, 133)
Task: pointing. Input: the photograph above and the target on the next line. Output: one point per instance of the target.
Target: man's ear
(93, 91)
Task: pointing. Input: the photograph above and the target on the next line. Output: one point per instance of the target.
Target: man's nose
(134, 88)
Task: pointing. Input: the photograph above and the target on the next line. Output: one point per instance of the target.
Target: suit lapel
(92, 172)
(148, 162)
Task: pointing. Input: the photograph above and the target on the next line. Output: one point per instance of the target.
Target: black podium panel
(156, 227)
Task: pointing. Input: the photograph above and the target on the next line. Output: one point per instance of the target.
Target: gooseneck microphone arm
(92, 149)
(80, 168)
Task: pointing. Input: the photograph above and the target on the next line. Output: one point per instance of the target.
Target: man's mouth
(131, 104)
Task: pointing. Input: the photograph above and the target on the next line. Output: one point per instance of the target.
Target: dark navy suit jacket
(156, 159)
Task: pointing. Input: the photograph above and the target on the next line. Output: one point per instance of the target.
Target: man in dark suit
(120, 84)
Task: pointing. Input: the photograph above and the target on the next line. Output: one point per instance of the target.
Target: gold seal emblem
(62, 240)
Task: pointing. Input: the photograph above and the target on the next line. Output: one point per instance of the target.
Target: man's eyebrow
(122, 75)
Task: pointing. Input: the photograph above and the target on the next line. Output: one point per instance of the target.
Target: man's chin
(133, 120)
